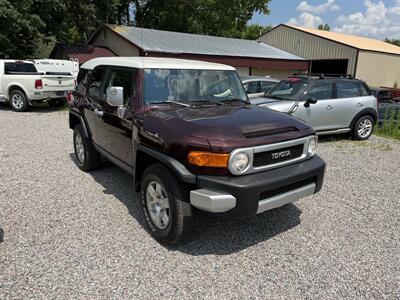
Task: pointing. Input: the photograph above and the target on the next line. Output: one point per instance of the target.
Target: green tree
(213, 17)
(395, 42)
(325, 27)
(20, 30)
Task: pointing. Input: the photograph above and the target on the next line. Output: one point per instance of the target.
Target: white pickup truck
(21, 84)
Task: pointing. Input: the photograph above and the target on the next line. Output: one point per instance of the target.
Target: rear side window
(121, 78)
(15, 68)
(365, 91)
(321, 91)
(348, 89)
(95, 82)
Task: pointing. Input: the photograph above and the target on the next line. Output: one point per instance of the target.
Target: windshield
(191, 85)
(289, 89)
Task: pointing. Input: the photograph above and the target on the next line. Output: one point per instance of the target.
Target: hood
(226, 125)
(275, 104)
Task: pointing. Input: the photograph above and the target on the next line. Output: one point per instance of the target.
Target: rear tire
(87, 157)
(363, 128)
(18, 101)
(165, 205)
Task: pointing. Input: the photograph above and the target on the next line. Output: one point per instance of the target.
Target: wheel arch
(75, 119)
(365, 112)
(145, 157)
(16, 86)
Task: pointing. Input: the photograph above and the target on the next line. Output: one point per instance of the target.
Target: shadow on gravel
(212, 234)
(1, 235)
(334, 138)
(37, 108)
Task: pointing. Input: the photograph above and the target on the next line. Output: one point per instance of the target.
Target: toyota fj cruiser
(187, 133)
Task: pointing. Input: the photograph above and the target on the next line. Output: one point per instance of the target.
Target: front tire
(363, 128)
(86, 156)
(18, 101)
(165, 205)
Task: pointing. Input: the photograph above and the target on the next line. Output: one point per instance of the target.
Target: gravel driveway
(68, 234)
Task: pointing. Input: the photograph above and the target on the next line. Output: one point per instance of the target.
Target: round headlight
(240, 162)
(312, 146)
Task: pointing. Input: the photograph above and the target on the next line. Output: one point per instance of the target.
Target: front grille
(286, 188)
(265, 158)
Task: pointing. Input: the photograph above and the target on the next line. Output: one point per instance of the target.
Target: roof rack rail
(324, 75)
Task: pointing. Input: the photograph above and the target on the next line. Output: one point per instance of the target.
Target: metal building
(248, 57)
(376, 62)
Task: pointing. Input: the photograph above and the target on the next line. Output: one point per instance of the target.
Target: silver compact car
(256, 86)
(330, 105)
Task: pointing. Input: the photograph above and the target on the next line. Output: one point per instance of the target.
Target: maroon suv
(187, 133)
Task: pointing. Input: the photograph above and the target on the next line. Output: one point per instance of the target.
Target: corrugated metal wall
(379, 69)
(309, 46)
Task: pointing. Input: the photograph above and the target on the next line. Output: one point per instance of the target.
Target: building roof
(151, 40)
(83, 53)
(354, 41)
(155, 63)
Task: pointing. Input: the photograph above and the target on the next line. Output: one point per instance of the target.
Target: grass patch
(390, 128)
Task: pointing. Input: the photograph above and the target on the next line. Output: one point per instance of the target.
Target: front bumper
(243, 196)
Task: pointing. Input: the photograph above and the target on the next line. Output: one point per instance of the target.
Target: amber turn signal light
(208, 159)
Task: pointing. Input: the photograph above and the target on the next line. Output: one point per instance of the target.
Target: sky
(370, 18)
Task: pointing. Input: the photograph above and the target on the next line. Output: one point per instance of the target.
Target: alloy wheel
(17, 101)
(79, 148)
(365, 128)
(158, 205)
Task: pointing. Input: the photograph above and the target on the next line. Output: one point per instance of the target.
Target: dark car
(187, 133)
(383, 95)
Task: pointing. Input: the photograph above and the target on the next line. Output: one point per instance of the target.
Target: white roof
(155, 63)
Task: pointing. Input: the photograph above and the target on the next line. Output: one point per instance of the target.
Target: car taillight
(38, 84)
(70, 97)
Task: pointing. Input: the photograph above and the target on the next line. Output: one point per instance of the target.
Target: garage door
(329, 66)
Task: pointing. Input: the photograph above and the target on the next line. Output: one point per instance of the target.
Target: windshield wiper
(274, 97)
(236, 100)
(171, 102)
(207, 101)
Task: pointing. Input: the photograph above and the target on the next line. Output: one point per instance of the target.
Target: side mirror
(115, 95)
(310, 101)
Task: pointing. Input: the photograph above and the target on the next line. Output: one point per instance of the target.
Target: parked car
(330, 105)
(187, 133)
(256, 86)
(21, 84)
(383, 95)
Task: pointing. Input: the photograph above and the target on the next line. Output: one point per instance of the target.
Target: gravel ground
(68, 234)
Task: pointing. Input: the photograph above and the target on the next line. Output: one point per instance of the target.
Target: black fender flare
(367, 111)
(81, 121)
(175, 166)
